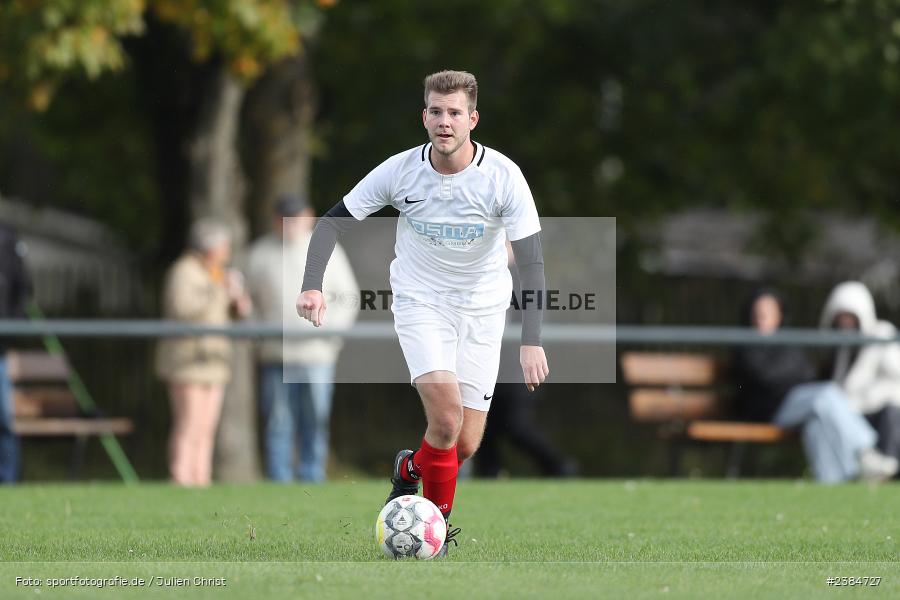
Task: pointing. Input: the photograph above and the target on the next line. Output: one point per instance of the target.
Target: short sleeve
(519, 214)
(373, 192)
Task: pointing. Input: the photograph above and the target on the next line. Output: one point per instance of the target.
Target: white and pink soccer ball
(410, 527)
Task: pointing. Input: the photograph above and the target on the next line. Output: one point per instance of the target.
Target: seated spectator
(198, 289)
(15, 288)
(870, 374)
(777, 384)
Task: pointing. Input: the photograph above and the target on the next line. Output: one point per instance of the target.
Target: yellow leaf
(245, 66)
(99, 36)
(39, 98)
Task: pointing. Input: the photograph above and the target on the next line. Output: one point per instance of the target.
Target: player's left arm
(530, 263)
(523, 227)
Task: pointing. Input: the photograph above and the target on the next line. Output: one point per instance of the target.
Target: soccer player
(459, 202)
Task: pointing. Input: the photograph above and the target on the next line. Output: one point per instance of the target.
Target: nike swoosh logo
(486, 397)
(408, 201)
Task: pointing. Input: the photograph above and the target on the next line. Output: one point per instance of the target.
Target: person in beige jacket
(198, 289)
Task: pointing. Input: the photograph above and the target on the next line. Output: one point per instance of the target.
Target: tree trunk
(217, 190)
(217, 180)
(279, 113)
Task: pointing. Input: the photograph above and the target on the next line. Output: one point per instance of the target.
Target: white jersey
(452, 230)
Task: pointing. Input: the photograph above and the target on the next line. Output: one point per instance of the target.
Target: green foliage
(104, 170)
(44, 42)
(250, 35)
(637, 109)
(625, 109)
(41, 42)
(95, 144)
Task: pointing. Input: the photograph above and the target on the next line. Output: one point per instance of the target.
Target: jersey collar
(476, 158)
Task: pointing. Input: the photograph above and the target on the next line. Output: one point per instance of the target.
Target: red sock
(439, 468)
(408, 470)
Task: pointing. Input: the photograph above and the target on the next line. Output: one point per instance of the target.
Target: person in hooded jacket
(777, 384)
(869, 374)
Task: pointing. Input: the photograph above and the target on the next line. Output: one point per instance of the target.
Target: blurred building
(78, 266)
(705, 260)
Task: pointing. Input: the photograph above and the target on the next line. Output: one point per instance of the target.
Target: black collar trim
(474, 145)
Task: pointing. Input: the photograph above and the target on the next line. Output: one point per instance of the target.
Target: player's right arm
(370, 194)
(336, 222)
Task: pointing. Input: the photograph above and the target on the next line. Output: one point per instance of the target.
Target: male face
(766, 315)
(448, 121)
(846, 321)
(291, 228)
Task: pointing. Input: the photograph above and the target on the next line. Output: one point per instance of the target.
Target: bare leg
(436, 460)
(206, 419)
(471, 433)
(179, 441)
(439, 391)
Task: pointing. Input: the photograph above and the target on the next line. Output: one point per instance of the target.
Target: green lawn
(520, 539)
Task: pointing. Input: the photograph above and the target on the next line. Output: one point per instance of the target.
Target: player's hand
(311, 306)
(534, 366)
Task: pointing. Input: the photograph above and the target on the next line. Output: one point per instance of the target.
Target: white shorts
(442, 339)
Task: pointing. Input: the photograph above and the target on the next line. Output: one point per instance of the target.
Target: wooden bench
(44, 405)
(684, 393)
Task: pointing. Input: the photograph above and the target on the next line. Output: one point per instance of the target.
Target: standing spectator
(15, 288)
(199, 289)
(512, 415)
(296, 376)
(776, 383)
(870, 374)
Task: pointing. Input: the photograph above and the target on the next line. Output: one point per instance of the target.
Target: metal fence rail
(577, 334)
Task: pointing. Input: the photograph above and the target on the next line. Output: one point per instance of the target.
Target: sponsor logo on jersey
(448, 234)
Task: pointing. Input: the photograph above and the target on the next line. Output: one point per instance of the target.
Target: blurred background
(735, 143)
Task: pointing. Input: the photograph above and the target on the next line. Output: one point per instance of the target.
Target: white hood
(852, 297)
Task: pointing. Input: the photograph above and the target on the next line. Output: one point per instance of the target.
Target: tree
(235, 41)
(43, 43)
(239, 41)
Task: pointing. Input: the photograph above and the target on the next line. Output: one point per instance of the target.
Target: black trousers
(511, 417)
(887, 423)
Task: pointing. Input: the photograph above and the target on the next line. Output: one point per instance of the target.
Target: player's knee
(445, 427)
(825, 402)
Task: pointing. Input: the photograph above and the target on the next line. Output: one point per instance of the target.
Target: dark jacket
(764, 375)
(15, 285)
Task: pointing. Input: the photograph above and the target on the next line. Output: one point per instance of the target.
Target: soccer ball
(410, 526)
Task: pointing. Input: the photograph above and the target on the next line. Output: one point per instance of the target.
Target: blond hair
(447, 82)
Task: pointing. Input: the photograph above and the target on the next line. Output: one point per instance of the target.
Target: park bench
(45, 406)
(685, 393)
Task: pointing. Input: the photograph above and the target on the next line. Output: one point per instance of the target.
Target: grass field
(520, 539)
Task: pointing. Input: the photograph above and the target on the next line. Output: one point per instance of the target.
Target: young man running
(459, 202)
